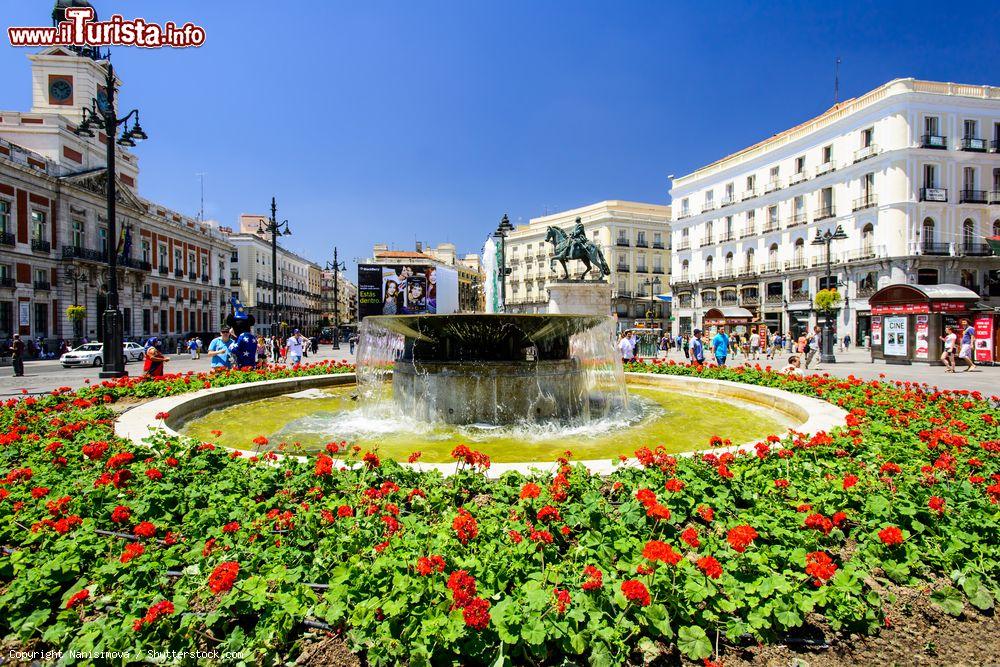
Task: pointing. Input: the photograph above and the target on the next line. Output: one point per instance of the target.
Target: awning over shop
(727, 315)
(907, 299)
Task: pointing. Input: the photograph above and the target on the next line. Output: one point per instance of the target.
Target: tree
(828, 300)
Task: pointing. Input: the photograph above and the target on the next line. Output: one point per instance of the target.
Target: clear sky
(400, 121)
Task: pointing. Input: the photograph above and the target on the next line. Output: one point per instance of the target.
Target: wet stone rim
(812, 415)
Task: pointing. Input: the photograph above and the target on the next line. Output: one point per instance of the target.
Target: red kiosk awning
(914, 299)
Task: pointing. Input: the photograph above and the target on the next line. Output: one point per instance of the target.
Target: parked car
(92, 354)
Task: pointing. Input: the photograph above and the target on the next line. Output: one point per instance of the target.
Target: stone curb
(812, 414)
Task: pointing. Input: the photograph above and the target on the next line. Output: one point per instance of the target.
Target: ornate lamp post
(275, 229)
(503, 229)
(102, 115)
(76, 276)
(336, 267)
(827, 238)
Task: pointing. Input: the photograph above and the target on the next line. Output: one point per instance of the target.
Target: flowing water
(653, 417)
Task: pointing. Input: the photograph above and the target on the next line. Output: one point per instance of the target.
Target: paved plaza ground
(44, 376)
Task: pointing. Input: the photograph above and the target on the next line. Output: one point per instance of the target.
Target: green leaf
(658, 618)
(533, 631)
(949, 600)
(693, 642)
(979, 596)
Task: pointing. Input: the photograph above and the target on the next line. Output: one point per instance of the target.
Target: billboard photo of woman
(390, 304)
(431, 290)
(416, 295)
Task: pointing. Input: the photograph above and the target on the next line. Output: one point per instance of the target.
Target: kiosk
(908, 320)
(730, 319)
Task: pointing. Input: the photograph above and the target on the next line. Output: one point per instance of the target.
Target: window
(657, 240)
(146, 250)
(826, 201)
(38, 226)
(41, 319)
(968, 233)
(969, 178)
(827, 154)
(204, 266)
(708, 265)
(927, 276)
(729, 192)
(685, 265)
(996, 184)
(4, 274)
(640, 238)
(866, 137)
(931, 126)
(178, 260)
(127, 320)
(729, 226)
(774, 174)
(970, 129)
(868, 186)
(751, 218)
(751, 183)
(799, 250)
(709, 198)
(685, 207)
(800, 164)
(77, 228)
(708, 231)
(658, 264)
(178, 321)
(772, 257)
(622, 238)
(147, 318)
(102, 239)
(190, 264)
(927, 237)
(772, 216)
(930, 176)
(163, 254)
(799, 207)
(4, 216)
(867, 239)
(749, 259)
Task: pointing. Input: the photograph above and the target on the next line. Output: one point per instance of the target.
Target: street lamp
(102, 115)
(76, 276)
(336, 267)
(827, 238)
(503, 229)
(652, 283)
(275, 229)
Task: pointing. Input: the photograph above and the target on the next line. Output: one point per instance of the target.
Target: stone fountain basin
(810, 415)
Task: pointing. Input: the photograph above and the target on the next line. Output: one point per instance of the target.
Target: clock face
(60, 90)
(102, 100)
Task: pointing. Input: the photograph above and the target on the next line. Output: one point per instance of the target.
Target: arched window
(708, 266)
(729, 261)
(927, 234)
(868, 239)
(708, 232)
(684, 269)
(968, 233)
(799, 250)
(749, 263)
(772, 257)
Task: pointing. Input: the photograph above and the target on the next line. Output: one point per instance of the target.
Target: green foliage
(302, 558)
(827, 300)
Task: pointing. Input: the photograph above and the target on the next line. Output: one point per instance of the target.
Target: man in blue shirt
(720, 347)
(218, 350)
(697, 348)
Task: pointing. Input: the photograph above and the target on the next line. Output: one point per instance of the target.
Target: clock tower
(63, 82)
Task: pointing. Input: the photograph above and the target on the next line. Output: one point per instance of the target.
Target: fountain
(493, 369)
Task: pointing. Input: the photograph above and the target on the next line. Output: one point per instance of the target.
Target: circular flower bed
(183, 546)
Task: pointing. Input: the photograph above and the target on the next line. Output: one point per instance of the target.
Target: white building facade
(909, 171)
(635, 240)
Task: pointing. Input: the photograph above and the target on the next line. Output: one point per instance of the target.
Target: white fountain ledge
(811, 415)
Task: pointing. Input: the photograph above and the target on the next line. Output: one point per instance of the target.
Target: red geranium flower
(231, 527)
(121, 514)
(132, 550)
(223, 577)
(594, 578)
(77, 598)
(465, 526)
(635, 590)
(891, 536)
(741, 537)
(690, 537)
(462, 587)
(530, 490)
(145, 529)
(562, 599)
(155, 612)
(710, 566)
(476, 613)
(820, 566)
(428, 565)
(656, 550)
(936, 503)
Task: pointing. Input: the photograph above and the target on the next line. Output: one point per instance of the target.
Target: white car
(91, 354)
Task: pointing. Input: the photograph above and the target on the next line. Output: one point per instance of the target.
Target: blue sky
(394, 122)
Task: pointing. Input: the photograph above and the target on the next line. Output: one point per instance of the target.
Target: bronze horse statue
(576, 246)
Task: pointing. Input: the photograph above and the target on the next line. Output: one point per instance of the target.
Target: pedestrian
(665, 345)
(965, 352)
(63, 348)
(793, 367)
(697, 349)
(295, 347)
(192, 346)
(754, 344)
(17, 351)
(352, 341)
(261, 351)
(720, 347)
(948, 354)
(152, 365)
(686, 346)
(847, 342)
(218, 350)
(680, 344)
(626, 348)
(813, 345)
(199, 348)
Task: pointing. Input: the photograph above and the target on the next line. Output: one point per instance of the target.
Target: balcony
(726, 274)
(974, 144)
(657, 245)
(750, 194)
(684, 278)
(726, 238)
(865, 153)
(147, 296)
(748, 231)
(192, 275)
(824, 212)
(178, 273)
(685, 213)
(728, 200)
(934, 194)
(38, 245)
(747, 271)
(972, 197)
(867, 251)
(708, 298)
(658, 270)
(995, 196)
(975, 249)
(797, 177)
(622, 268)
(729, 299)
(222, 281)
(7, 239)
(750, 300)
(684, 245)
(707, 241)
(774, 299)
(43, 285)
(641, 243)
(8, 283)
(799, 296)
(622, 243)
(867, 201)
(865, 292)
(707, 275)
(642, 268)
(771, 226)
(935, 249)
(709, 206)
(826, 167)
(772, 186)
(770, 267)
(163, 269)
(86, 254)
(795, 264)
(163, 297)
(179, 299)
(995, 146)
(205, 278)
(797, 219)
(933, 141)
(131, 263)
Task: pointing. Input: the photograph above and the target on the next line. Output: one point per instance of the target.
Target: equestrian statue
(576, 245)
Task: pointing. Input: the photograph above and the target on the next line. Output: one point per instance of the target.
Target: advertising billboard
(406, 289)
(895, 336)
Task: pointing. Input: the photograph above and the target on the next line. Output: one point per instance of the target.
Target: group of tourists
(952, 346)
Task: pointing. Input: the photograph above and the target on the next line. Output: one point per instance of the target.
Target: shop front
(909, 321)
(731, 319)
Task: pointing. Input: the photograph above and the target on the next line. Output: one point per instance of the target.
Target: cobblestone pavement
(44, 376)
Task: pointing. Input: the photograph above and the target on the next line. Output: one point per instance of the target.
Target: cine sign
(895, 336)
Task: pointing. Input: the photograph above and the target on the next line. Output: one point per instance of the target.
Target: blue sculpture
(244, 345)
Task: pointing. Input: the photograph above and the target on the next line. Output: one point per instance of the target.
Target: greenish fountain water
(654, 417)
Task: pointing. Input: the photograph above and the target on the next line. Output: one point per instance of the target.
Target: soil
(326, 650)
(918, 634)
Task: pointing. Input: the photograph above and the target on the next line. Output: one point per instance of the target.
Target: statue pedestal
(575, 297)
